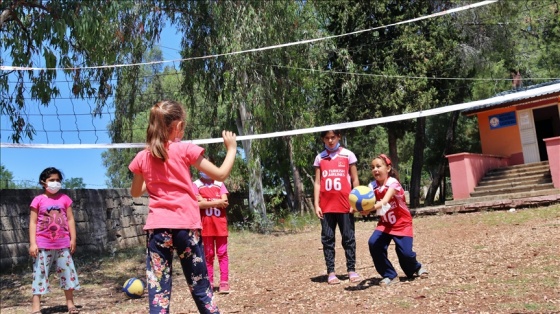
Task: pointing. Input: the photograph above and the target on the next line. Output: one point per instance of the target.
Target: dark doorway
(547, 125)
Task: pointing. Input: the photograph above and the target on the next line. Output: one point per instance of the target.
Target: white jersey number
(390, 216)
(331, 184)
(213, 211)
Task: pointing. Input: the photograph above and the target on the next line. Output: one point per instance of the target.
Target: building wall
(506, 141)
(503, 141)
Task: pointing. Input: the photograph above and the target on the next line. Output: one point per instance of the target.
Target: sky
(26, 164)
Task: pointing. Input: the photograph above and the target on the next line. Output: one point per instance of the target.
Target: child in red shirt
(395, 223)
(213, 201)
(335, 175)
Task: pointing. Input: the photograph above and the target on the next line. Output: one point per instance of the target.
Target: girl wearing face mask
(335, 175)
(52, 239)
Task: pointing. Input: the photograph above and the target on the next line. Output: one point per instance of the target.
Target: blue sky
(63, 114)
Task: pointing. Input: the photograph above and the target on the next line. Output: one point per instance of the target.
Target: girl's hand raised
(230, 140)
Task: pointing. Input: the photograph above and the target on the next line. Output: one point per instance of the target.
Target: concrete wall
(553, 150)
(466, 171)
(106, 220)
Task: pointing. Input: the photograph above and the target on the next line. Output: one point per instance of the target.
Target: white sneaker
(422, 273)
(388, 281)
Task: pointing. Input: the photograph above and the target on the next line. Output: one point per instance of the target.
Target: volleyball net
(71, 122)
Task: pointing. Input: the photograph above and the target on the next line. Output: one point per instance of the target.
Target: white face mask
(53, 186)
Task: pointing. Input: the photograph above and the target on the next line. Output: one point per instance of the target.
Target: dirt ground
(484, 262)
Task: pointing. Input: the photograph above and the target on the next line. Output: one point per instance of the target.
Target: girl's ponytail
(162, 116)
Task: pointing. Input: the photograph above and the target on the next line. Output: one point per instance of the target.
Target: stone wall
(106, 220)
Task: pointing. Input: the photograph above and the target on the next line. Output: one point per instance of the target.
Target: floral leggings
(160, 247)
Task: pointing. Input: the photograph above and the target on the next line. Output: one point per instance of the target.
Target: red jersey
(335, 180)
(214, 220)
(398, 220)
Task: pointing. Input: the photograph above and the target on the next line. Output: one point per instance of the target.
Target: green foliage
(6, 178)
(67, 34)
(506, 36)
(74, 183)
(257, 92)
(393, 70)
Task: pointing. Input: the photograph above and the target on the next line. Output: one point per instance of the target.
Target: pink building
(516, 127)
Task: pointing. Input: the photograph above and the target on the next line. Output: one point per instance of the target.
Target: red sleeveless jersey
(397, 221)
(335, 181)
(214, 220)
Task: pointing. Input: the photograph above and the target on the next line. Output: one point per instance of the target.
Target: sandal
(354, 277)
(333, 279)
(73, 310)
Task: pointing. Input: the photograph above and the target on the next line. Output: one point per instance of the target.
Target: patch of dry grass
(486, 262)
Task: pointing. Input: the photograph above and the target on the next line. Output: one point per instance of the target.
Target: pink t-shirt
(173, 203)
(52, 223)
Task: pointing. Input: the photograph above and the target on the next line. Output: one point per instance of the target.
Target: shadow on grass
(364, 284)
(57, 309)
(361, 285)
(106, 270)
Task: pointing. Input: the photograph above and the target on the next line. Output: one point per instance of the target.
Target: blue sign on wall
(502, 120)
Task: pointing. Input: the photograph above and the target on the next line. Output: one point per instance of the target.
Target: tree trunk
(256, 196)
(440, 174)
(308, 201)
(417, 162)
(298, 184)
(290, 194)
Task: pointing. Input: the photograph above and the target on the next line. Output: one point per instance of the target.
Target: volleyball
(133, 288)
(362, 198)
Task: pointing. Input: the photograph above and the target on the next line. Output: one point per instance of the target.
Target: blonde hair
(162, 116)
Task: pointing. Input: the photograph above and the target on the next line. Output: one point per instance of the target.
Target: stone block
(140, 210)
(113, 213)
(111, 203)
(14, 249)
(130, 232)
(127, 201)
(80, 215)
(125, 221)
(12, 261)
(7, 223)
(126, 210)
(14, 236)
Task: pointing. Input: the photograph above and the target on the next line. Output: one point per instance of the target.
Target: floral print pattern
(64, 268)
(161, 244)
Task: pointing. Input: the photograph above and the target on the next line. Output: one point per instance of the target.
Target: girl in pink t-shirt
(395, 223)
(173, 222)
(52, 238)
